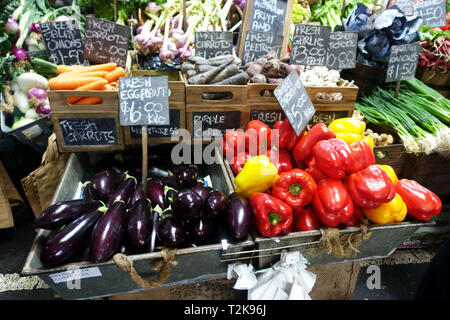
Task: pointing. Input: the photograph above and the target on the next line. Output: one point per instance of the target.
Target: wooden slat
(58, 100)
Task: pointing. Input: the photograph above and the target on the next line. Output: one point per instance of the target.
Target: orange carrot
(63, 83)
(108, 87)
(78, 74)
(100, 67)
(97, 85)
(63, 69)
(89, 100)
(114, 75)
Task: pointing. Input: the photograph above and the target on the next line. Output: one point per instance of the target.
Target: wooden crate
(394, 155)
(440, 81)
(432, 171)
(194, 94)
(108, 110)
(256, 94)
(366, 77)
(236, 118)
(158, 134)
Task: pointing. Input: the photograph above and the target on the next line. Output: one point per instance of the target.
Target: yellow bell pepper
(389, 212)
(348, 125)
(257, 175)
(350, 130)
(390, 171)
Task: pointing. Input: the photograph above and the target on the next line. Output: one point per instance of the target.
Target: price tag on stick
(213, 44)
(295, 102)
(63, 42)
(106, 41)
(342, 50)
(310, 45)
(403, 62)
(144, 101)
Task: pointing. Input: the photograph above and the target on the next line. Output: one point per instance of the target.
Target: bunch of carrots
(80, 78)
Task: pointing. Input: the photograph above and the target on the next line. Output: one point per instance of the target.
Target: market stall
(201, 140)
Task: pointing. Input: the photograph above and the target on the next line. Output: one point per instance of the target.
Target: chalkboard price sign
(268, 16)
(63, 42)
(213, 44)
(257, 44)
(310, 45)
(89, 132)
(160, 131)
(106, 41)
(403, 62)
(432, 12)
(214, 123)
(144, 101)
(295, 102)
(407, 6)
(342, 50)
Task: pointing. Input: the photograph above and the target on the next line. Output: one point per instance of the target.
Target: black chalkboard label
(144, 101)
(89, 132)
(342, 50)
(63, 42)
(295, 102)
(403, 62)
(213, 44)
(327, 117)
(269, 117)
(407, 6)
(214, 123)
(268, 16)
(310, 45)
(160, 131)
(106, 41)
(257, 44)
(432, 12)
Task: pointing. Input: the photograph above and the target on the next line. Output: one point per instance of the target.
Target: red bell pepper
(303, 149)
(305, 219)
(358, 216)
(271, 215)
(287, 137)
(295, 187)
(258, 137)
(239, 161)
(314, 171)
(298, 163)
(333, 157)
(421, 202)
(332, 203)
(233, 143)
(281, 159)
(370, 187)
(363, 156)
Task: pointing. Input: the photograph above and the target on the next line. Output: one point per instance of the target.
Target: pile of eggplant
(115, 215)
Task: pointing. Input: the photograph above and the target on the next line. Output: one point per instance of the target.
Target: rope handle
(162, 267)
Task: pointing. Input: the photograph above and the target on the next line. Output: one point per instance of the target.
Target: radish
(37, 96)
(30, 80)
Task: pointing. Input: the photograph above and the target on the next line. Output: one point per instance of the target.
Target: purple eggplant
(60, 213)
(85, 253)
(187, 177)
(202, 190)
(202, 228)
(153, 239)
(157, 173)
(89, 192)
(105, 182)
(170, 181)
(124, 191)
(187, 204)
(64, 245)
(138, 193)
(169, 195)
(139, 226)
(107, 235)
(155, 192)
(238, 215)
(215, 204)
(171, 232)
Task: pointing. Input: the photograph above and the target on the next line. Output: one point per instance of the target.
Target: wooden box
(81, 128)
